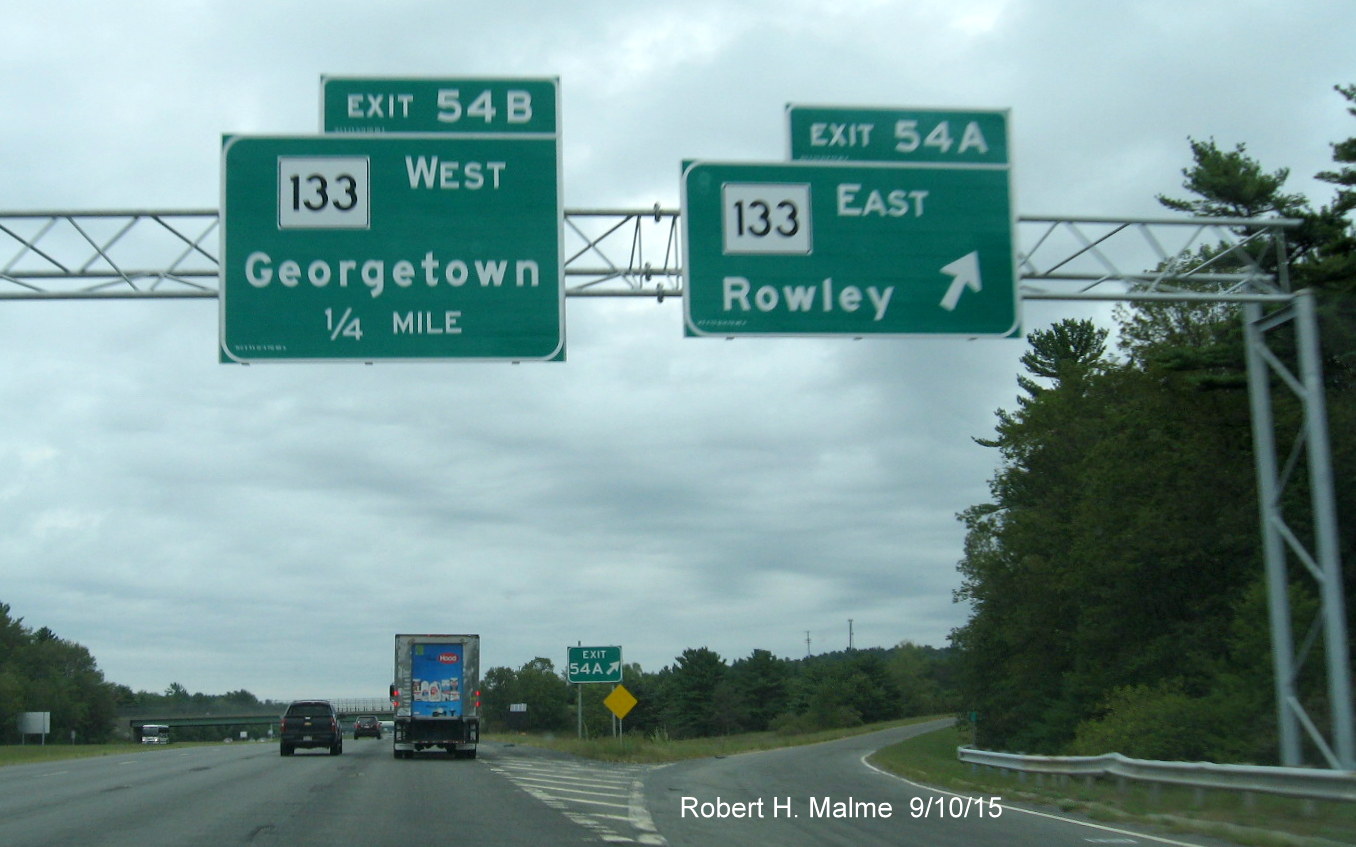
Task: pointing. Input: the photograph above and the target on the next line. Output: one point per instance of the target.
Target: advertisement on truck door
(437, 680)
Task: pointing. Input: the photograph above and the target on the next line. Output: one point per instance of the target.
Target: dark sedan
(366, 725)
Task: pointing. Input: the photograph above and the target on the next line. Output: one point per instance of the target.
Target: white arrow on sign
(965, 274)
(612, 668)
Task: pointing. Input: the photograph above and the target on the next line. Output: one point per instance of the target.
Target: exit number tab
(899, 135)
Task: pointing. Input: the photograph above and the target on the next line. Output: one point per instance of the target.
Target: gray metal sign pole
(1320, 560)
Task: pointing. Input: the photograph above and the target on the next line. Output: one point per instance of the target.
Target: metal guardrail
(1306, 783)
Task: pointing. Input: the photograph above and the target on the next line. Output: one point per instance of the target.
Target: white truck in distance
(436, 694)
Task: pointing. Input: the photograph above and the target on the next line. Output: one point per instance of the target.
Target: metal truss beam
(621, 253)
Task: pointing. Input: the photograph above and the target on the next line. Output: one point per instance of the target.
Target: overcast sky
(271, 527)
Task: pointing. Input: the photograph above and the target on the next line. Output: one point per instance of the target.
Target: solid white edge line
(1007, 807)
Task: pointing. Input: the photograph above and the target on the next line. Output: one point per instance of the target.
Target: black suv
(366, 725)
(311, 723)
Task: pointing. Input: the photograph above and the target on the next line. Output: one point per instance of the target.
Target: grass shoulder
(25, 754)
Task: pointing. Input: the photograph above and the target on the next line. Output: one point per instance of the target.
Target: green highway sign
(391, 247)
(594, 664)
(850, 249)
(936, 136)
(461, 105)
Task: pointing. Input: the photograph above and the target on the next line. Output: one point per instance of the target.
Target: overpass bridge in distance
(348, 708)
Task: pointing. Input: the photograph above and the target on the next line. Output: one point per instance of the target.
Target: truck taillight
(395, 696)
(477, 699)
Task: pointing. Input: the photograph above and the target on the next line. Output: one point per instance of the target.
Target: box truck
(436, 694)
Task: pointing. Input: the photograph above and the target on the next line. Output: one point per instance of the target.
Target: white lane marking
(560, 785)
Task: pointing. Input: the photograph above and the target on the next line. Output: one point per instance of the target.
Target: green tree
(692, 707)
(178, 696)
(1231, 184)
(13, 638)
(497, 696)
(1016, 572)
(760, 683)
(240, 699)
(61, 677)
(920, 675)
(871, 691)
(536, 685)
(1113, 580)
(546, 695)
(1068, 354)
(829, 700)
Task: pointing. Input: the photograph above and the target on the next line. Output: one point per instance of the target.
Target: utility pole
(849, 633)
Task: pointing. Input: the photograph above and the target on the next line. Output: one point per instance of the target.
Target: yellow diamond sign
(620, 701)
